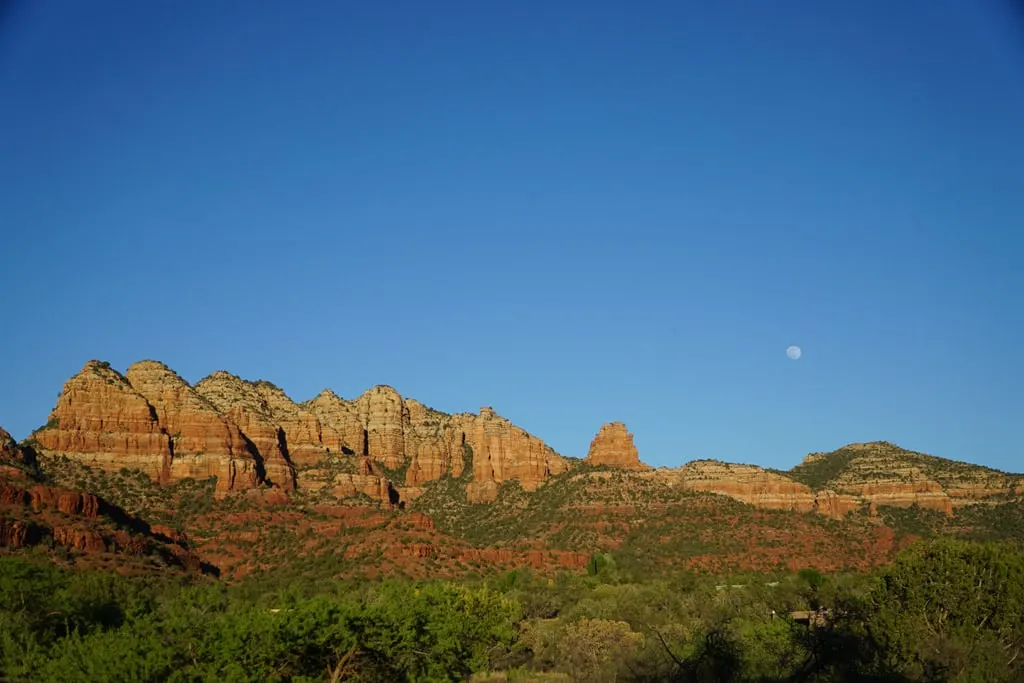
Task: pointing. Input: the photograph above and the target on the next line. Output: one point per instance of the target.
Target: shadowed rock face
(613, 446)
(85, 523)
(246, 406)
(13, 460)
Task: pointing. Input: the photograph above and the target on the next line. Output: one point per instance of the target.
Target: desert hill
(386, 484)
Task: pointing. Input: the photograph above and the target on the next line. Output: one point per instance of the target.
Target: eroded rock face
(748, 484)
(245, 406)
(367, 479)
(613, 446)
(9, 451)
(882, 473)
(384, 416)
(923, 493)
(503, 451)
(13, 461)
(85, 505)
(203, 442)
(835, 505)
(103, 421)
(302, 429)
(343, 430)
(433, 445)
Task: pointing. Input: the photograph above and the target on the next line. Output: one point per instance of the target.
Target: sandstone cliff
(345, 432)
(250, 433)
(613, 446)
(503, 451)
(404, 433)
(203, 442)
(103, 421)
(759, 487)
(14, 462)
(246, 406)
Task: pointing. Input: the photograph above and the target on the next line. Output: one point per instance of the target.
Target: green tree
(952, 611)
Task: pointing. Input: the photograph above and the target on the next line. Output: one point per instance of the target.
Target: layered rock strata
(103, 421)
(613, 446)
(203, 442)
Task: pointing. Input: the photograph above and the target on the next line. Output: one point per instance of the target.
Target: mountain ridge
(251, 433)
(239, 465)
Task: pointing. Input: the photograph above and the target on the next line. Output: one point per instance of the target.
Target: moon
(794, 352)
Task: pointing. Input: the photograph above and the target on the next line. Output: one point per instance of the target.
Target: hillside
(383, 484)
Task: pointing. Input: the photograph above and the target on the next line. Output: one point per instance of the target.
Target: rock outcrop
(756, 486)
(203, 442)
(103, 421)
(250, 434)
(246, 406)
(503, 451)
(881, 473)
(83, 523)
(403, 433)
(434, 445)
(13, 460)
(384, 417)
(304, 435)
(344, 431)
(748, 484)
(613, 446)
(894, 493)
(367, 479)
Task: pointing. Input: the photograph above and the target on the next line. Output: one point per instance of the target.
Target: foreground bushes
(391, 633)
(945, 611)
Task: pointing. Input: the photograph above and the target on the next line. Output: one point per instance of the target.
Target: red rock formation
(502, 451)
(245, 406)
(343, 430)
(923, 493)
(613, 446)
(85, 540)
(101, 420)
(82, 522)
(203, 442)
(394, 432)
(384, 416)
(9, 451)
(433, 445)
(758, 487)
(335, 476)
(13, 461)
(748, 484)
(835, 505)
(67, 502)
(12, 495)
(303, 432)
(16, 533)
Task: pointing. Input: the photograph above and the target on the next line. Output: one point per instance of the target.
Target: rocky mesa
(250, 434)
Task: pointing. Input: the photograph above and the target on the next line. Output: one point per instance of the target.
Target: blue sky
(574, 212)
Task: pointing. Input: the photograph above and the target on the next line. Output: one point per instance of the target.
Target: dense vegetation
(946, 610)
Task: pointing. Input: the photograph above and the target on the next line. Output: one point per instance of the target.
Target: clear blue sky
(576, 212)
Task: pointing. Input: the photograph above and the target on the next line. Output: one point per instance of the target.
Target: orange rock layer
(250, 434)
(614, 446)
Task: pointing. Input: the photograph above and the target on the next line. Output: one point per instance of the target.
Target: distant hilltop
(250, 434)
